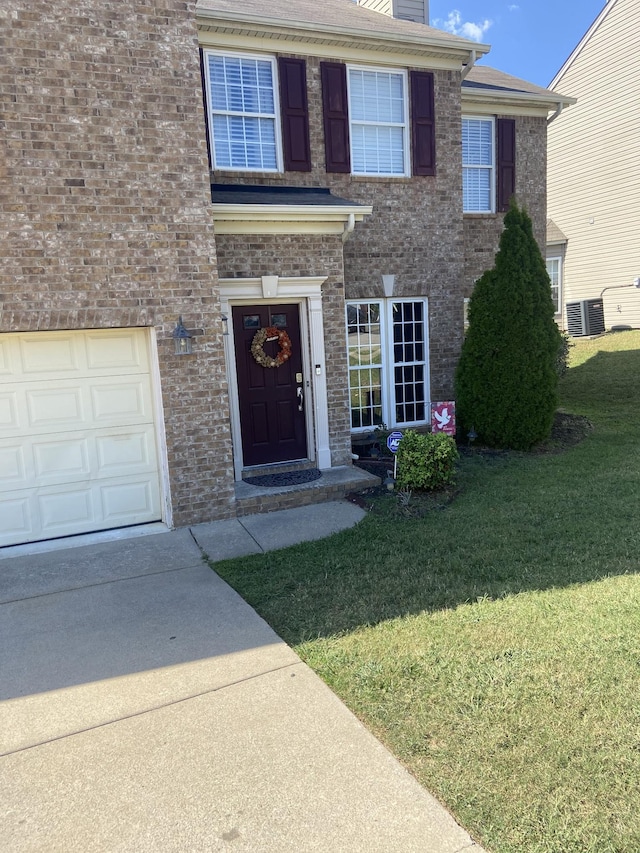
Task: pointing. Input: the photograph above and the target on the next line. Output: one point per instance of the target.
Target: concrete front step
(334, 484)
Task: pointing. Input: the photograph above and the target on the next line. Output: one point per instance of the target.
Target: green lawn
(494, 643)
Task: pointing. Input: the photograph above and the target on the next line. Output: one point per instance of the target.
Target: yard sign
(443, 417)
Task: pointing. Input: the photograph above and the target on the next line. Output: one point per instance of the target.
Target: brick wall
(304, 255)
(106, 218)
(415, 231)
(481, 232)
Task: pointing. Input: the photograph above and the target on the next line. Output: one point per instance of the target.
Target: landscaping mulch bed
(568, 430)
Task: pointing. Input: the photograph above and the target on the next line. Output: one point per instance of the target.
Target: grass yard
(493, 642)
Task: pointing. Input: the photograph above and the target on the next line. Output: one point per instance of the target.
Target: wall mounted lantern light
(182, 339)
(225, 324)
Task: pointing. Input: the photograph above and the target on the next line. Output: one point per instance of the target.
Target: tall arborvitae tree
(506, 380)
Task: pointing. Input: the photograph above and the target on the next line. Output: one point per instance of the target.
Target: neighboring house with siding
(594, 170)
(343, 184)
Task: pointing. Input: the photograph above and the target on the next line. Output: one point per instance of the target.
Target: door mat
(287, 478)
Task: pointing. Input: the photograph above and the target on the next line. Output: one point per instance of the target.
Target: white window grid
(554, 268)
(478, 164)
(388, 355)
(244, 112)
(378, 121)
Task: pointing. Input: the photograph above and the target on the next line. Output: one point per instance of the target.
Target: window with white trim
(388, 353)
(243, 111)
(378, 121)
(478, 165)
(554, 269)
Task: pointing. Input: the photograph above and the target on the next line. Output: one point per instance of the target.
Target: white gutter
(348, 228)
(559, 109)
(472, 61)
(492, 94)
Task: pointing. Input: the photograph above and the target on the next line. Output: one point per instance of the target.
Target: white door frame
(307, 292)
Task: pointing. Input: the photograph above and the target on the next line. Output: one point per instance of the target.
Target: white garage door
(77, 437)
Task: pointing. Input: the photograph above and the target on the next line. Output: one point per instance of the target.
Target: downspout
(556, 114)
(472, 61)
(348, 228)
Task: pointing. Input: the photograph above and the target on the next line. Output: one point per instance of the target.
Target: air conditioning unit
(585, 317)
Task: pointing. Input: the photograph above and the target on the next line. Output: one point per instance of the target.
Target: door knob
(300, 396)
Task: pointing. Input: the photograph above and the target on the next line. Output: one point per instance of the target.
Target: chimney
(406, 10)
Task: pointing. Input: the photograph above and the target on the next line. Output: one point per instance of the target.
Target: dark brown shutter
(295, 114)
(206, 107)
(336, 116)
(506, 161)
(423, 126)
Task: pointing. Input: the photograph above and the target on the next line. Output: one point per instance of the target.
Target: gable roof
(609, 4)
(554, 234)
(483, 81)
(323, 17)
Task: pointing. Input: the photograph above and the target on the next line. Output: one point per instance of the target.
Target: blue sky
(529, 38)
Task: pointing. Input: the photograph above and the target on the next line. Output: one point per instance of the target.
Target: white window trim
(557, 258)
(388, 395)
(276, 106)
(491, 168)
(405, 125)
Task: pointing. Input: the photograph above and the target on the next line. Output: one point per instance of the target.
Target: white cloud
(513, 8)
(467, 29)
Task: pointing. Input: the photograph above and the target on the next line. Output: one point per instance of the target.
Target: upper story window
(488, 163)
(478, 165)
(378, 121)
(243, 112)
(554, 268)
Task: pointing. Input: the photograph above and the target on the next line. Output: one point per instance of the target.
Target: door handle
(300, 396)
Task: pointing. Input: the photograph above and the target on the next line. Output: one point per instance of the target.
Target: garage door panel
(8, 412)
(65, 509)
(128, 452)
(114, 352)
(50, 353)
(50, 408)
(124, 503)
(129, 401)
(16, 521)
(78, 445)
(12, 467)
(62, 461)
(5, 358)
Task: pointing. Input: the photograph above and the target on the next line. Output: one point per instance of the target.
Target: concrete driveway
(145, 706)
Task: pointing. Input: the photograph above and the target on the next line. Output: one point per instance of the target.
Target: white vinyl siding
(243, 112)
(387, 347)
(478, 165)
(378, 121)
(594, 166)
(408, 10)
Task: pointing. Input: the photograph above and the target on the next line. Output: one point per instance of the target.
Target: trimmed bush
(426, 461)
(506, 380)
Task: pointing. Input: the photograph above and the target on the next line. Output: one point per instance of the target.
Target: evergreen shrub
(506, 379)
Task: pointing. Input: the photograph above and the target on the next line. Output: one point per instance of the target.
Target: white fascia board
(287, 31)
(285, 218)
(380, 55)
(511, 103)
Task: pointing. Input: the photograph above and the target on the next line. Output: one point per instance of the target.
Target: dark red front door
(272, 417)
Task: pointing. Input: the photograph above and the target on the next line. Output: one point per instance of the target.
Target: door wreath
(271, 333)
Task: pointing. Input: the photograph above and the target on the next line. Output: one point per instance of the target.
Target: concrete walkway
(146, 707)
